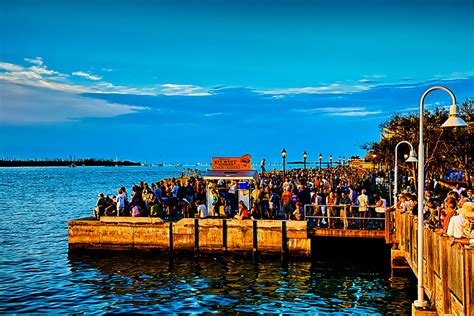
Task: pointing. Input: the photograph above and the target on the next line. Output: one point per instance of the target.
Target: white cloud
(86, 75)
(339, 111)
(334, 88)
(39, 75)
(213, 114)
(27, 104)
(38, 61)
(43, 70)
(171, 89)
(10, 67)
(355, 113)
(376, 76)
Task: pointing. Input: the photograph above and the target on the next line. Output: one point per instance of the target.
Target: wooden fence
(447, 266)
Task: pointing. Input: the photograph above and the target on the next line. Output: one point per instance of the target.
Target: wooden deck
(347, 233)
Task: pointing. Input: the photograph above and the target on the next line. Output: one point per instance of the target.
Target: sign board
(232, 163)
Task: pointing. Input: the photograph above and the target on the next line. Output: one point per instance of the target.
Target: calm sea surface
(39, 275)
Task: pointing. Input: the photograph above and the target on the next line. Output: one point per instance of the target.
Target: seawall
(189, 234)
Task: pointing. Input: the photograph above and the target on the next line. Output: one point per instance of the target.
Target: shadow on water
(151, 282)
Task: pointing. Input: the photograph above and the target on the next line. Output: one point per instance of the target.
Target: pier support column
(171, 237)
(224, 235)
(255, 239)
(196, 236)
(284, 241)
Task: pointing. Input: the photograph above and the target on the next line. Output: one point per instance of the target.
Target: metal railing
(321, 214)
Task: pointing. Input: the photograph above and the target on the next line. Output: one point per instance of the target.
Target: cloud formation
(334, 88)
(170, 89)
(22, 104)
(86, 75)
(339, 111)
(38, 75)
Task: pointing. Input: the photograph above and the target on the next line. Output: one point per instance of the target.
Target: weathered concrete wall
(207, 235)
(447, 267)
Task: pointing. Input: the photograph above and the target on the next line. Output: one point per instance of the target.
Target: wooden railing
(447, 266)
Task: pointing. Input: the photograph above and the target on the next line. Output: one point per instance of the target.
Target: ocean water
(39, 275)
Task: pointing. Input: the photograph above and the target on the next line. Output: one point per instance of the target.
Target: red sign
(232, 163)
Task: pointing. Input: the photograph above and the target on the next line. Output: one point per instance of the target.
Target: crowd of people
(333, 196)
(452, 213)
(342, 197)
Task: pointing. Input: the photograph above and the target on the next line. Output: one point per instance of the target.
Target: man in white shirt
(201, 209)
(456, 222)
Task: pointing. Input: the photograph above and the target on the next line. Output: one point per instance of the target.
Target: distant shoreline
(66, 163)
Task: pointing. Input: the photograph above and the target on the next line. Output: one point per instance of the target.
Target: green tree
(444, 147)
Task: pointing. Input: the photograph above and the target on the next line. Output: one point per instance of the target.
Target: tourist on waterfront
(243, 211)
(262, 165)
(363, 201)
(120, 202)
(100, 209)
(286, 200)
(125, 195)
(346, 203)
(380, 211)
(298, 213)
(215, 203)
(255, 213)
(255, 198)
(449, 211)
(201, 209)
(456, 223)
(331, 201)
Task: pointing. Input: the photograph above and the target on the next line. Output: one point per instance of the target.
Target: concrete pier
(191, 235)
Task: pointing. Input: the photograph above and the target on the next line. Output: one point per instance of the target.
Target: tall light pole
(343, 161)
(373, 160)
(320, 160)
(412, 158)
(330, 160)
(454, 120)
(305, 155)
(283, 155)
(339, 160)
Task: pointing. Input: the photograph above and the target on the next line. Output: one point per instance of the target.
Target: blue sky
(188, 80)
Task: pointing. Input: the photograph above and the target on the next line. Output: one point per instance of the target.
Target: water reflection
(132, 282)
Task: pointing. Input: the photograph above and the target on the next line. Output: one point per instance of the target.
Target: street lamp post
(330, 161)
(411, 159)
(373, 160)
(343, 161)
(320, 160)
(305, 155)
(454, 120)
(339, 160)
(283, 155)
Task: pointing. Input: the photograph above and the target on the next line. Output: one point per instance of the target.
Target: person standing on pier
(346, 203)
(363, 201)
(262, 165)
(286, 199)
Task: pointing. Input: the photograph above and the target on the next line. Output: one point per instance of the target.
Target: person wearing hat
(455, 227)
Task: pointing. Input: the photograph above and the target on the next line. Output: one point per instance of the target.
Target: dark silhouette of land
(88, 162)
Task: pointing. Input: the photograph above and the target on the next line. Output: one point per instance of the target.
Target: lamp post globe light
(339, 160)
(343, 161)
(283, 155)
(411, 158)
(330, 160)
(454, 120)
(320, 160)
(373, 160)
(305, 155)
